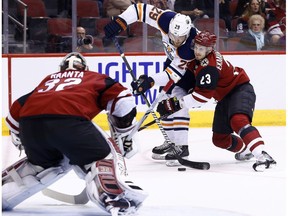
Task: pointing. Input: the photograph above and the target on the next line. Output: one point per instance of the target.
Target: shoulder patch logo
(204, 62)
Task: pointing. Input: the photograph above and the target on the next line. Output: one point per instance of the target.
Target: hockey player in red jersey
(231, 88)
(53, 124)
(177, 33)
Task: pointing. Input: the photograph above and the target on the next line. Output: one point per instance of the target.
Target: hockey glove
(113, 28)
(16, 141)
(169, 106)
(142, 84)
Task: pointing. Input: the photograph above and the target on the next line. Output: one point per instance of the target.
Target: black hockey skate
(162, 149)
(182, 151)
(264, 161)
(159, 152)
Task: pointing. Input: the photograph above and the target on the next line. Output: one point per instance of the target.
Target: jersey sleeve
(12, 119)
(112, 97)
(206, 83)
(142, 13)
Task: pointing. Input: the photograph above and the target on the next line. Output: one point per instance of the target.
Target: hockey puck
(182, 169)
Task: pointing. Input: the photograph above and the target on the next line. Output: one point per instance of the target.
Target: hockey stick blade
(194, 164)
(79, 199)
(191, 164)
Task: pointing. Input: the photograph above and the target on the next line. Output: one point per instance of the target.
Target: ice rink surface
(229, 188)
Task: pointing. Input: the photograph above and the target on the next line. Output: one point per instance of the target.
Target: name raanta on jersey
(68, 74)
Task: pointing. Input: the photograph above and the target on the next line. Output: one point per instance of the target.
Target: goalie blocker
(107, 183)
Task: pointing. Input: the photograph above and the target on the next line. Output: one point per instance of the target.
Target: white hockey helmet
(73, 61)
(179, 29)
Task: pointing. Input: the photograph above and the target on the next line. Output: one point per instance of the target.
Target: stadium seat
(234, 23)
(52, 7)
(208, 24)
(101, 22)
(89, 23)
(36, 21)
(60, 26)
(87, 15)
(222, 45)
(136, 29)
(232, 7)
(135, 44)
(87, 8)
(232, 43)
(59, 35)
(35, 8)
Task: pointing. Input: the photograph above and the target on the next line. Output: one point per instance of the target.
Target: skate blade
(259, 167)
(158, 156)
(172, 163)
(263, 166)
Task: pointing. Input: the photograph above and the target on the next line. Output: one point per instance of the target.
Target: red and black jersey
(215, 77)
(67, 93)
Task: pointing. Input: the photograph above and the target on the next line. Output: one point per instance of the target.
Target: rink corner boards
(202, 118)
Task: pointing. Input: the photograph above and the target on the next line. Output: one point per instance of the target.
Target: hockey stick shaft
(184, 162)
(164, 90)
(152, 122)
(150, 110)
(147, 125)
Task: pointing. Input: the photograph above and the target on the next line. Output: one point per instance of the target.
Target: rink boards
(21, 73)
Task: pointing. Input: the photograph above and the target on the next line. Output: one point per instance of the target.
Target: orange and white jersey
(160, 19)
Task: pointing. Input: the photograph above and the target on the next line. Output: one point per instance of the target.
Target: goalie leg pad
(23, 179)
(105, 189)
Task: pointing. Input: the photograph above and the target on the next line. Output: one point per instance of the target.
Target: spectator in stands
(254, 7)
(255, 38)
(193, 8)
(84, 42)
(224, 12)
(241, 6)
(163, 4)
(170, 4)
(158, 3)
(115, 7)
(276, 18)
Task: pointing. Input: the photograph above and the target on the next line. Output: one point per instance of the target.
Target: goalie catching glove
(168, 106)
(113, 28)
(142, 84)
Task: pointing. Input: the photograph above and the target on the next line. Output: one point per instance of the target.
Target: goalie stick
(79, 199)
(184, 162)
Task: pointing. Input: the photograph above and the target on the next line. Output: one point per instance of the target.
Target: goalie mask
(179, 29)
(73, 61)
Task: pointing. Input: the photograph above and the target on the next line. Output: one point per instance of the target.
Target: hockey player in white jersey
(177, 33)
